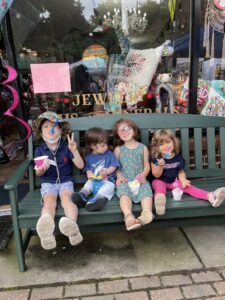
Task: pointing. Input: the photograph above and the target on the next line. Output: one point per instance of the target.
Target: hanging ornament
(12, 74)
(172, 9)
(215, 18)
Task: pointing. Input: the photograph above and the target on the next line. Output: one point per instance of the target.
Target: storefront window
(123, 55)
(211, 84)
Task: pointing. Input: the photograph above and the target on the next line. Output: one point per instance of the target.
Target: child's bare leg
(49, 205)
(126, 207)
(70, 209)
(45, 226)
(146, 214)
(67, 224)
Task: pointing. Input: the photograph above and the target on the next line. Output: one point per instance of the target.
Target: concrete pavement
(173, 263)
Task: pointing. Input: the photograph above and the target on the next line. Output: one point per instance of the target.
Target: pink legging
(161, 186)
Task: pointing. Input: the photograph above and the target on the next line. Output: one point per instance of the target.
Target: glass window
(211, 84)
(123, 55)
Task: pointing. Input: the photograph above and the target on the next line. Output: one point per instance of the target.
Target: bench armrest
(17, 175)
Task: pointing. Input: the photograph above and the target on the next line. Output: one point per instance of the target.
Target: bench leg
(20, 253)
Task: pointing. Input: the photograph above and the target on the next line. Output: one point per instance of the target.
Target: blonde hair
(161, 136)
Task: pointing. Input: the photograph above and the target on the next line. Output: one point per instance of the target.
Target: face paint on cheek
(52, 130)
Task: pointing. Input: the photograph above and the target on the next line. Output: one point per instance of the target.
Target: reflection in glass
(99, 39)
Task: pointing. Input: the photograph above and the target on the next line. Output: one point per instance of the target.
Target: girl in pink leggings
(167, 165)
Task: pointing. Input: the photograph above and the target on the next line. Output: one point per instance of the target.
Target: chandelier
(136, 21)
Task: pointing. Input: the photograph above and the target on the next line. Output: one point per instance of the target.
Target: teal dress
(132, 164)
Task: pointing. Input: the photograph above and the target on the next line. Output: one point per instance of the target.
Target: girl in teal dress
(134, 159)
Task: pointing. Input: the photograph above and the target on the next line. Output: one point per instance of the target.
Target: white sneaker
(70, 228)
(45, 229)
(217, 197)
(160, 204)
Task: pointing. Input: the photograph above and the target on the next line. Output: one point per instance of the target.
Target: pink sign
(51, 78)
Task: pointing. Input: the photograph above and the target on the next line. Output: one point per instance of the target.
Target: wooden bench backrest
(206, 134)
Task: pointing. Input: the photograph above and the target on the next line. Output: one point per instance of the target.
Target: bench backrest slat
(145, 137)
(185, 146)
(76, 133)
(198, 148)
(211, 148)
(222, 147)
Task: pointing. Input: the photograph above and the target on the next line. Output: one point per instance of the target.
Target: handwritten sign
(51, 78)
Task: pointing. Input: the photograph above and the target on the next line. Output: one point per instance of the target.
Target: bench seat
(187, 207)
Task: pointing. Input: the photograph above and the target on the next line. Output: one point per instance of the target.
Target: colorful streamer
(12, 74)
(172, 9)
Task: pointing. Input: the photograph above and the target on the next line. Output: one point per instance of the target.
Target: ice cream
(167, 155)
(134, 186)
(40, 161)
(177, 194)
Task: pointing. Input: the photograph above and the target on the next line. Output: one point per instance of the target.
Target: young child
(168, 165)
(134, 159)
(56, 178)
(100, 162)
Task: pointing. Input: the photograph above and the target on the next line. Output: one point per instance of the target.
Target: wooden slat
(145, 137)
(211, 148)
(222, 147)
(198, 148)
(185, 146)
(148, 121)
(77, 138)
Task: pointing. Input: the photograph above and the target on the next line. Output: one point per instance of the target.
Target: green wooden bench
(203, 136)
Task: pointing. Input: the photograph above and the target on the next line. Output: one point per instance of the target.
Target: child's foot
(45, 228)
(96, 203)
(217, 197)
(160, 204)
(79, 199)
(69, 228)
(131, 222)
(146, 217)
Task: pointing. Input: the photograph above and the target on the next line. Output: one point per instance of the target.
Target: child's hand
(120, 179)
(90, 174)
(185, 183)
(103, 173)
(141, 178)
(161, 162)
(41, 170)
(72, 145)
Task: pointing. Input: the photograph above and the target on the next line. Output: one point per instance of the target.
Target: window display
(123, 55)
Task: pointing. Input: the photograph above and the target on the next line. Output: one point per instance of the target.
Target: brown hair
(95, 135)
(161, 136)
(130, 123)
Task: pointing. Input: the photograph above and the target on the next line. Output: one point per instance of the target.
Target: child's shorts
(56, 188)
(144, 192)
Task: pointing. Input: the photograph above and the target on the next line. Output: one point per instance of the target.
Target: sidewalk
(192, 285)
(154, 264)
